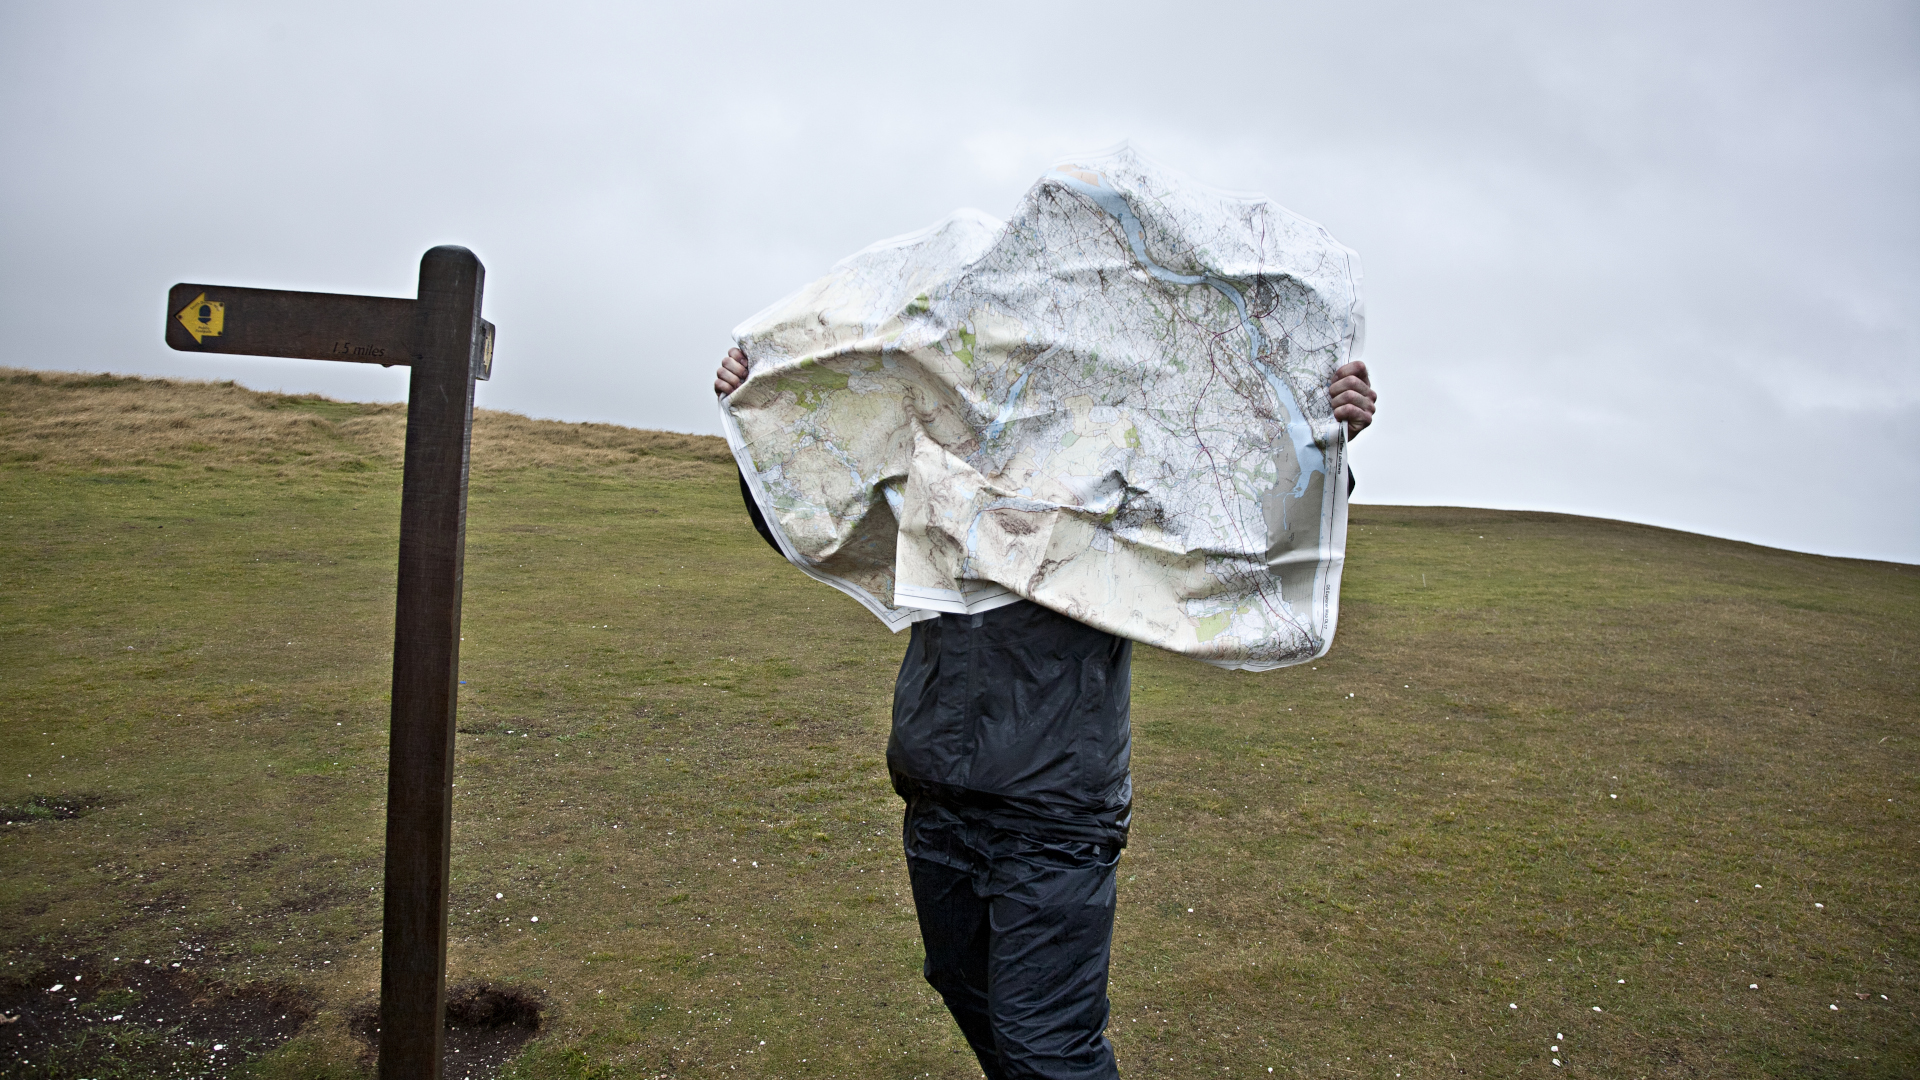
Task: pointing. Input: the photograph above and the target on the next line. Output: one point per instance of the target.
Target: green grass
(1546, 754)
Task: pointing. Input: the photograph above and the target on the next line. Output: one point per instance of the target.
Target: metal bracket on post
(441, 335)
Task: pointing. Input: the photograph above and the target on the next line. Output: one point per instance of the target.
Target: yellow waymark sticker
(203, 318)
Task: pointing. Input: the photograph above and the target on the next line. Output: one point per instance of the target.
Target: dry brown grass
(55, 420)
(58, 420)
(504, 440)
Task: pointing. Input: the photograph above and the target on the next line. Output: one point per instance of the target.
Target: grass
(1552, 764)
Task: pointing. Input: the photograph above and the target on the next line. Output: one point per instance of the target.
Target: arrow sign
(300, 325)
(203, 318)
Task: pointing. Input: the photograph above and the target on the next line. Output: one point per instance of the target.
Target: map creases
(1113, 405)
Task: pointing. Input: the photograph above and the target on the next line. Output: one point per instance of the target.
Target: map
(1113, 405)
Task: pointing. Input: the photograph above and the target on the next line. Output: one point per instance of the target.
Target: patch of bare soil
(486, 1025)
(41, 808)
(80, 1017)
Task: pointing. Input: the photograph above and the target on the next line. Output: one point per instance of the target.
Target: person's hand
(1353, 397)
(733, 372)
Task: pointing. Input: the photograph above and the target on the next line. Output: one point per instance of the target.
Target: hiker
(1011, 746)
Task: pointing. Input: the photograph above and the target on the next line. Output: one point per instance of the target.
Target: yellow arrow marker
(203, 318)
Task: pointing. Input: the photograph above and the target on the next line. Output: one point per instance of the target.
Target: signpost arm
(447, 337)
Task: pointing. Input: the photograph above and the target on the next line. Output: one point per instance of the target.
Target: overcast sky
(1658, 262)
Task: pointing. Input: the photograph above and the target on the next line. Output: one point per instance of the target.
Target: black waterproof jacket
(1016, 718)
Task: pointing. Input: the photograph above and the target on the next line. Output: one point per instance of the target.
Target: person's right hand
(1353, 397)
(733, 372)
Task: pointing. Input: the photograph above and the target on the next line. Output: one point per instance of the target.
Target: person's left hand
(1353, 397)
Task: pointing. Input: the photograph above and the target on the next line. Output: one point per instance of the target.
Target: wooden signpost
(442, 337)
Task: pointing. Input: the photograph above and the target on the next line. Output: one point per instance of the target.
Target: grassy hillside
(1645, 797)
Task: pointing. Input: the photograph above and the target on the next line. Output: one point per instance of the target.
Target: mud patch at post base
(78, 1016)
(487, 1024)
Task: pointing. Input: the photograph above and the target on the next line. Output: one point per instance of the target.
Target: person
(1011, 749)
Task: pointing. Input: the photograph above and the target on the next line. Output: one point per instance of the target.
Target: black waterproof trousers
(1018, 932)
(1011, 746)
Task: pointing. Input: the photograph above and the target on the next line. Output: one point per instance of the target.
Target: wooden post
(426, 664)
(441, 335)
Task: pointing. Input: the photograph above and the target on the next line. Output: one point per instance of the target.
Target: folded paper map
(1113, 405)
